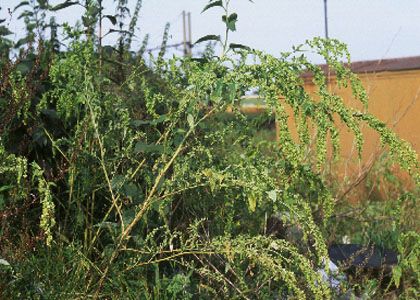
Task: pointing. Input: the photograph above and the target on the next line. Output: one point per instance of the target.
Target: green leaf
(131, 190)
(106, 225)
(39, 137)
(216, 96)
(232, 92)
(108, 50)
(138, 123)
(210, 37)
(23, 3)
(4, 262)
(252, 203)
(113, 19)
(190, 120)
(63, 5)
(5, 188)
(148, 148)
(4, 31)
(213, 4)
(238, 46)
(3, 101)
(200, 60)
(88, 21)
(272, 195)
(227, 267)
(128, 216)
(2, 201)
(93, 11)
(26, 13)
(22, 41)
(43, 4)
(230, 21)
(24, 67)
(116, 31)
(51, 114)
(396, 275)
(117, 182)
(160, 119)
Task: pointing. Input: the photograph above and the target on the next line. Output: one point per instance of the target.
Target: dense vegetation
(122, 176)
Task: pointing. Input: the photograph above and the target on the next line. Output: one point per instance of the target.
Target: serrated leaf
(63, 5)
(111, 18)
(396, 275)
(238, 46)
(117, 182)
(209, 37)
(212, 4)
(190, 120)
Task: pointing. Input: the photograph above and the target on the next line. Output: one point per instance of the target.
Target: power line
(167, 46)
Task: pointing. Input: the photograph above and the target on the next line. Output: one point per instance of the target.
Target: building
(393, 88)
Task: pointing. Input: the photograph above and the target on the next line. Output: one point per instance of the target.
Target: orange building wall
(394, 97)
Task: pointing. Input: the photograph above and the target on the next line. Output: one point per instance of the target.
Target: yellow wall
(394, 97)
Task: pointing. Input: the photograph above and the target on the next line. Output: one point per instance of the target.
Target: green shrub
(139, 184)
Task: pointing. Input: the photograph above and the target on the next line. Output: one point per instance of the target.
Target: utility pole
(187, 42)
(326, 36)
(326, 18)
(189, 35)
(185, 33)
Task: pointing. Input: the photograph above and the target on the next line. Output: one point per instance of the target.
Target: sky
(372, 29)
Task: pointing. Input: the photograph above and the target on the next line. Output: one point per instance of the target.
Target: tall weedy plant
(148, 187)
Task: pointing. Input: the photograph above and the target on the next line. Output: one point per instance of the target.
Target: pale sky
(373, 29)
